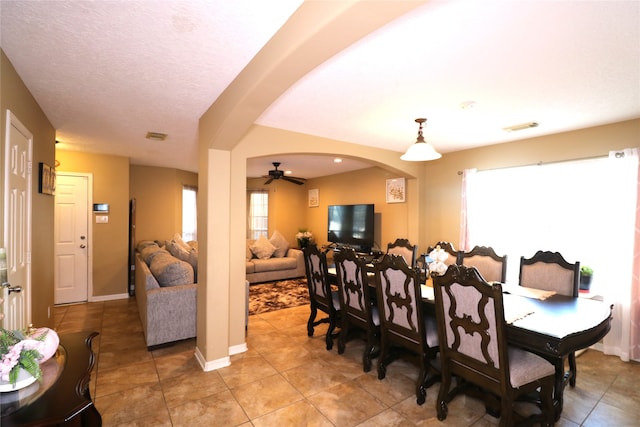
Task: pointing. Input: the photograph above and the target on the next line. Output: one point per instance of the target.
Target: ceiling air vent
(156, 136)
(521, 126)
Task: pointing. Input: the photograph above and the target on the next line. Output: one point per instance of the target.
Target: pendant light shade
(421, 150)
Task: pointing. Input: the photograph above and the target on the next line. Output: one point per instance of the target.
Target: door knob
(11, 288)
(83, 246)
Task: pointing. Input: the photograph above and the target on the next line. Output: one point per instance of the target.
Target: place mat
(523, 291)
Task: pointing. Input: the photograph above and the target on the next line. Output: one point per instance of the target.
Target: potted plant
(586, 274)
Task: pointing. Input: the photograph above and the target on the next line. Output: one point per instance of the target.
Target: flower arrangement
(25, 350)
(439, 256)
(304, 238)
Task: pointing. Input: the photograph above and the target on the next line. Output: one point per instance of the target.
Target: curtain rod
(540, 163)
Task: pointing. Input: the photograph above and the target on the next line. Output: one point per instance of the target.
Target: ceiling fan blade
(293, 179)
(268, 181)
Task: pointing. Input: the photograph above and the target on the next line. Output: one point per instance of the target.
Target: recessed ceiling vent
(521, 127)
(156, 136)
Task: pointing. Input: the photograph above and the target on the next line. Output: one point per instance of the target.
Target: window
(258, 218)
(189, 213)
(583, 209)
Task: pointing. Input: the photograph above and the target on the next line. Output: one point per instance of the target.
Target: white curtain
(624, 164)
(258, 213)
(635, 283)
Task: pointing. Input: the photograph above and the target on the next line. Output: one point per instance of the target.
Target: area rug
(265, 297)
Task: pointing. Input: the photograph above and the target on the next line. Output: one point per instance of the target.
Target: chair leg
(383, 361)
(506, 412)
(310, 322)
(329, 339)
(366, 359)
(342, 337)
(371, 350)
(441, 405)
(572, 369)
(421, 390)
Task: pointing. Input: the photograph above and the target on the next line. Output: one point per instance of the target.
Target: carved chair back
(405, 249)
(491, 266)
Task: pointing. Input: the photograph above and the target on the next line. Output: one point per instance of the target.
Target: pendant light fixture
(421, 150)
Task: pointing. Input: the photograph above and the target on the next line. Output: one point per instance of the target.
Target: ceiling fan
(278, 174)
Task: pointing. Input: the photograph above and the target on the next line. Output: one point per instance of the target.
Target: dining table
(547, 324)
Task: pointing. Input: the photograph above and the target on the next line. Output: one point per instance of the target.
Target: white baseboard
(212, 365)
(237, 349)
(111, 297)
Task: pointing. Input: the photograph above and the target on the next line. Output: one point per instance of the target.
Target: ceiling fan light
(420, 151)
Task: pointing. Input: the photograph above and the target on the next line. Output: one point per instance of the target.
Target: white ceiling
(107, 72)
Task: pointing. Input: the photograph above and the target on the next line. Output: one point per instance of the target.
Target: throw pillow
(262, 248)
(190, 256)
(148, 252)
(170, 271)
(281, 244)
(144, 243)
(178, 239)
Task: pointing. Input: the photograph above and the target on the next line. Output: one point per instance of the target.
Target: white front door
(71, 237)
(16, 296)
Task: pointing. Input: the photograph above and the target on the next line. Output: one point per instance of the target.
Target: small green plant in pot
(586, 274)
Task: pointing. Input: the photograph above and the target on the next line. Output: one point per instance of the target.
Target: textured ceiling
(107, 72)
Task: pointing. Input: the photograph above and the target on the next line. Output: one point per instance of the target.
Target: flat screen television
(351, 225)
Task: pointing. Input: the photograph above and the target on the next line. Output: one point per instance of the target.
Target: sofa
(273, 259)
(165, 291)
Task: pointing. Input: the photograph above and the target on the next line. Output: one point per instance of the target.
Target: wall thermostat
(101, 207)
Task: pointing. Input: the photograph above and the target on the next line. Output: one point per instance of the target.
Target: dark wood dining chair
(448, 247)
(474, 348)
(405, 249)
(491, 266)
(321, 297)
(403, 325)
(357, 304)
(549, 271)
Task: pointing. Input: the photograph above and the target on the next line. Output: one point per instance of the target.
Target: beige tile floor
(289, 379)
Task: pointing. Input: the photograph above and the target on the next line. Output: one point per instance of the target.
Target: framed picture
(395, 190)
(46, 179)
(314, 198)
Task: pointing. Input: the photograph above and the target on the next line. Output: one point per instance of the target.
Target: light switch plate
(102, 219)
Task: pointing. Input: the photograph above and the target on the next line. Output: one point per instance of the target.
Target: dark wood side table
(62, 398)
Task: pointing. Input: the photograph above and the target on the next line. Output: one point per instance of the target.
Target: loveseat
(273, 259)
(166, 291)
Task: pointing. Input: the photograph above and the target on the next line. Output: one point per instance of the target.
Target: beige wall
(362, 186)
(15, 96)
(289, 210)
(158, 194)
(111, 240)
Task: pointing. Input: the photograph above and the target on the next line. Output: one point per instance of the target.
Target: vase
(585, 282)
(24, 379)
